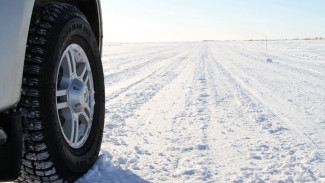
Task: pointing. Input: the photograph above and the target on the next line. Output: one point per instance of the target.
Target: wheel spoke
(92, 99)
(60, 93)
(85, 77)
(72, 130)
(76, 131)
(62, 105)
(73, 60)
(87, 109)
(69, 63)
(86, 117)
(82, 69)
(92, 93)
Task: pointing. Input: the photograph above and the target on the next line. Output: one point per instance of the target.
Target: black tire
(46, 154)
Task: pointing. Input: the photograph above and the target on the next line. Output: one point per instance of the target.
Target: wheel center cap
(78, 95)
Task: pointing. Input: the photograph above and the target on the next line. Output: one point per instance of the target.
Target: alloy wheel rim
(75, 96)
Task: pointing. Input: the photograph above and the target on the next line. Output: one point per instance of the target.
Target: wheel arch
(92, 10)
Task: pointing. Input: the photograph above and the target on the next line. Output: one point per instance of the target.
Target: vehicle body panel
(14, 24)
(15, 18)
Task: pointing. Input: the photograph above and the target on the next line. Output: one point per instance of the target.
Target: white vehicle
(51, 89)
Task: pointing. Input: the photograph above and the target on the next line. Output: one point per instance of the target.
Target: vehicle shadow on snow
(104, 171)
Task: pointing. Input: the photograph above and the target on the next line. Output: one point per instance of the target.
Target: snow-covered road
(213, 112)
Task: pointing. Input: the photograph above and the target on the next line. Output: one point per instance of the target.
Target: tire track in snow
(119, 64)
(131, 71)
(283, 83)
(281, 109)
(124, 53)
(228, 131)
(236, 141)
(276, 131)
(162, 129)
(194, 158)
(121, 107)
(122, 87)
(293, 66)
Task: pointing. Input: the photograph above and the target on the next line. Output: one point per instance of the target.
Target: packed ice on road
(213, 112)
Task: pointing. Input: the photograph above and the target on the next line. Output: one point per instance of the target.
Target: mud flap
(11, 151)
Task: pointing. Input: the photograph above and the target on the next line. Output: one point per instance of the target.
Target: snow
(213, 112)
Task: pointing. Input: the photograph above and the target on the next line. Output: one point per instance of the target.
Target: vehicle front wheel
(62, 96)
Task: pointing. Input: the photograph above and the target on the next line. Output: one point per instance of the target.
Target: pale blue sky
(196, 20)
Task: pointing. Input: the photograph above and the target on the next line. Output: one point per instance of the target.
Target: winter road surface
(213, 112)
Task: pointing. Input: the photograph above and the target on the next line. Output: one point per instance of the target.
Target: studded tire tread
(37, 162)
